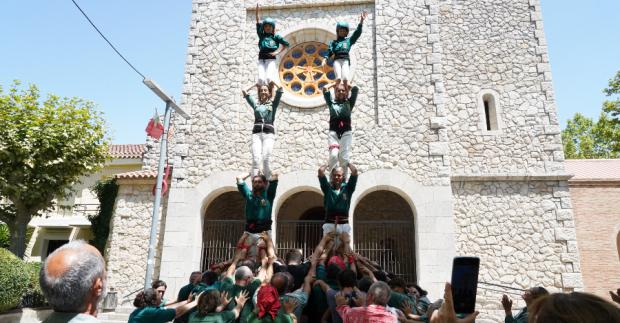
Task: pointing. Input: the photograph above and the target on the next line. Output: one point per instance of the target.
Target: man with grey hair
(73, 280)
(375, 309)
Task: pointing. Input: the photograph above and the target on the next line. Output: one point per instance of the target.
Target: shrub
(13, 280)
(33, 297)
(5, 235)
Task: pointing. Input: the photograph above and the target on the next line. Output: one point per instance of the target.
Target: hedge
(14, 279)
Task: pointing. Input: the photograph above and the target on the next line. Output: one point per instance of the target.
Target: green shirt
(337, 200)
(397, 299)
(268, 43)
(234, 290)
(150, 314)
(340, 110)
(521, 317)
(202, 287)
(258, 207)
(281, 317)
(340, 47)
(221, 317)
(184, 292)
(265, 112)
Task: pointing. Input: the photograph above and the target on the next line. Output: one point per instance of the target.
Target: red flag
(155, 128)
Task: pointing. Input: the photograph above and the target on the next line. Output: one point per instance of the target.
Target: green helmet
(343, 25)
(270, 21)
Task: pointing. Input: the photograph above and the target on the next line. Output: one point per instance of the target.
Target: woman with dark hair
(529, 296)
(160, 287)
(419, 296)
(573, 308)
(211, 305)
(149, 310)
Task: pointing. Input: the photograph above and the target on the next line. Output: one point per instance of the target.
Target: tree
(45, 146)
(586, 139)
(613, 106)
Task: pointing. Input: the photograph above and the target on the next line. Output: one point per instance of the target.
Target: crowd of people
(322, 289)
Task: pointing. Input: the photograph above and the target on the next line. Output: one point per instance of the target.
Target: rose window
(301, 71)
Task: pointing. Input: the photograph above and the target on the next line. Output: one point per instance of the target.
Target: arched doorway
(383, 230)
(223, 225)
(299, 223)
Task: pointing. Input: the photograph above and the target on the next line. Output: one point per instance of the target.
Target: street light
(170, 104)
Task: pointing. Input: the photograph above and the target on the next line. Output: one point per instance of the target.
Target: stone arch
(384, 231)
(299, 221)
(222, 223)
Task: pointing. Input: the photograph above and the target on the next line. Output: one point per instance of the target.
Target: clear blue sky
(50, 44)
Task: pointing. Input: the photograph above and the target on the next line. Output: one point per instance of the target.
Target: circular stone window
(301, 72)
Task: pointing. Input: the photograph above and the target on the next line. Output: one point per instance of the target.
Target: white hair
(380, 292)
(69, 291)
(243, 272)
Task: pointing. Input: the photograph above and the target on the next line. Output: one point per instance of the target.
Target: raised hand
(289, 305)
(242, 298)
(363, 16)
(615, 297)
(506, 303)
(224, 300)
(406, 307)
(446, 313)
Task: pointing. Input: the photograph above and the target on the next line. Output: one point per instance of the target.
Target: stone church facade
(455, 134)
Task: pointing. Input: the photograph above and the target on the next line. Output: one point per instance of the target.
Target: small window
(489, 112)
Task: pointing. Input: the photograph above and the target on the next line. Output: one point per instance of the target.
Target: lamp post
(170, 105)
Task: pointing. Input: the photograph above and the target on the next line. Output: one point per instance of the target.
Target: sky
(50, 44)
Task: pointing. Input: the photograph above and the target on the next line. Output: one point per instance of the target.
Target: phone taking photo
(465, 283)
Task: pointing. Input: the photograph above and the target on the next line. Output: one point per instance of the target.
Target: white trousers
(262, 146)
(267, 71)
(340, 228)
(339, 150)
(342, 70)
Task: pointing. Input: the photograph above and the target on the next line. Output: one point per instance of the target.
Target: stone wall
(130, 229)
(597, 220)
(524, 234)
(499, 45)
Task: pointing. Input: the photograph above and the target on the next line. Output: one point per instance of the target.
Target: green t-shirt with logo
(150, 314)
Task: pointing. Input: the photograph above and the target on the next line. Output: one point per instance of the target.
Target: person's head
(293, 257)
(160, 287)
(381, 275)
(573, 308)
(415, 290)
(342, 29)
(209, 278)
(73, 278)
(364, 284)
(147, 297)
(336, 177)
(195, 277)
(341, 92)
(208, 302)
(332, 272)
(248, 263)
(530, 295)
(259, 182)
(269, 25)
(397, 285)
(264, 93)
(378, 293)
(280, 281)
(347, 278)
(243, 276)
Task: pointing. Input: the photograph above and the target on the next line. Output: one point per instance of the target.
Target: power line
(106, 39)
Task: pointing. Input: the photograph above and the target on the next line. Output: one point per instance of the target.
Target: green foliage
(46, 146)
(613, 106)
(586, 139)
(106, 191)
(5, 236)
(13, 280)
(33, 297)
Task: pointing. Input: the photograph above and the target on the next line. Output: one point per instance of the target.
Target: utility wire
(502, 286)
(106, 39)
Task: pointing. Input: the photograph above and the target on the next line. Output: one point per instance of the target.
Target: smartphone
(465, 283)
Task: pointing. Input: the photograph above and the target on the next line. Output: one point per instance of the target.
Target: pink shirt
(369, 314)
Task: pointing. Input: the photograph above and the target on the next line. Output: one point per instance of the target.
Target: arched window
(489, 111)
(224, 222)
(300, 219)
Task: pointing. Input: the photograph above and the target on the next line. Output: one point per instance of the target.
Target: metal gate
(389, 243)
(219, 241)
(298, 234)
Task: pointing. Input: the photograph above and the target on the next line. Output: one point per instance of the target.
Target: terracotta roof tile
(139, 174)
(593, 169)
(127, 151)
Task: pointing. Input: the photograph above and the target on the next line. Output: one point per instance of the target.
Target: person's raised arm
(446, 313)
(266, 269)
(272, 187)
(257, 17)
(242, 187)
(189, 304)
(240, 301)
(353, 98)
(276, 99)
(327, 96)
(358, 31)
(239, 254)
